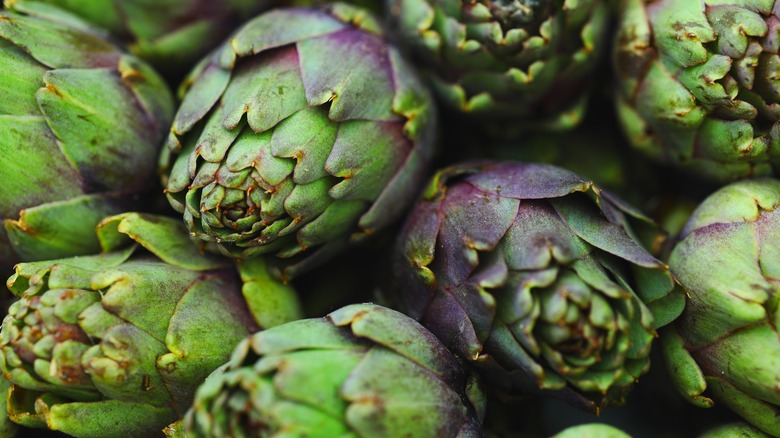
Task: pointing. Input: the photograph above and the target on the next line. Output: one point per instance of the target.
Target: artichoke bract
(361, 371)
(531, 60)
(172, 35)
(534, 275)
(8, 428)
(734, 430)
(726, 347)
(115, 344)
(302, 133)
(698, 84)
(81, 125)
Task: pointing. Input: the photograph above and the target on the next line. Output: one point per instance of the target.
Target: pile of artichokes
(417, 218)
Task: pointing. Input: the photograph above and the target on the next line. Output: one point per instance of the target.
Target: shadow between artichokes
(535, 275)
(304, 132)
(115, 344)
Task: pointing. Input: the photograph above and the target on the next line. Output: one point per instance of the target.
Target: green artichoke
(726, 346)
(172, 35)
(534, 274)
(698, 84)
(277, 149)
(530, 60)
(362, 371)
(81, 124)
(115, 344)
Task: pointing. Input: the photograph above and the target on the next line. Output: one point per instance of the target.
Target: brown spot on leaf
(53, 89)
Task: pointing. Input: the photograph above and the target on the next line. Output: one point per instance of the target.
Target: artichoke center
(518, 13)
(580, 344)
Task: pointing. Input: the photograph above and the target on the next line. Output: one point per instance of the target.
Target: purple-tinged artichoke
(535, 275)
(529, 60)
(725, 347)
(698, 84)
(304, 132)
(172, 35)
(81, 125)
(361, 371)
(115, 344)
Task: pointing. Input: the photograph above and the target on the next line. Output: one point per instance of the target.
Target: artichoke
(65, 160)
(361, 371)
(534, 274)
(277, 149)
(172, 35)
(115, 344)
(698, 84)
(726, 347)
(529, 60)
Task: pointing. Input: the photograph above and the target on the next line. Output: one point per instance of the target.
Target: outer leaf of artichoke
(533, 274)
(732, 430)
(172, 35)
(592, 430)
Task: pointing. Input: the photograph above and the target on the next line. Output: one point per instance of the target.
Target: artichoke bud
(363, 370)
(69, 163)
(726, 347)
(518, 13)
(120, 332)
(573, 297)
(519, 64)
(278, 150)
(698, 86)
